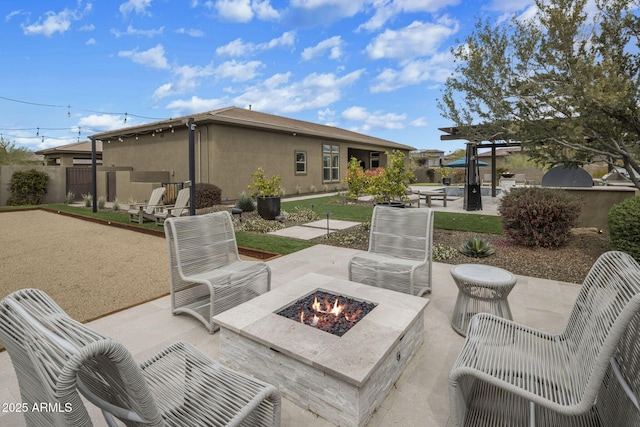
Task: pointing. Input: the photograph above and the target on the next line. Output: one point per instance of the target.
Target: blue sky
(72, 68)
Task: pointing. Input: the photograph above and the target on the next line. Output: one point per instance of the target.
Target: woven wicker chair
(399, 256)
(57, 360)
(139, 212)
(207, 276)
(589, 375)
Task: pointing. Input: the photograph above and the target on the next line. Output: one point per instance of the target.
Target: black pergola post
(192, 166)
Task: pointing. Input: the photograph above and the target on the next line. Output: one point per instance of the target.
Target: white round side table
(481, 289)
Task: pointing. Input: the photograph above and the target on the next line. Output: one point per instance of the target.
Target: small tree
(27, 187)
(355, 178)
(391, 181)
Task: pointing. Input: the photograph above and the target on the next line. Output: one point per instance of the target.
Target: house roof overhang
(240, 117)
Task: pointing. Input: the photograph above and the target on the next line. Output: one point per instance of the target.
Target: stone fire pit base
(342, 379)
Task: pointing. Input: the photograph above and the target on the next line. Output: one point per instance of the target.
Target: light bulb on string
(125, 117)
(38, 132)
(69, 111)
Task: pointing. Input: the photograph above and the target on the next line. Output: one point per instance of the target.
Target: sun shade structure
(462, 163)
(508, 374)
(58, 360)
(139, 212)
(206, 274)
(400, 251)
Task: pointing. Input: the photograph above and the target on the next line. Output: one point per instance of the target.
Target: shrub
(69, 198)
(624, 226)
(535, 216)
(116, 205)
(207, 195)
(102, 201)
(87, 198)
(476, 247)
(27, 187)
(301, 214)
(265, 187)
(245, 203)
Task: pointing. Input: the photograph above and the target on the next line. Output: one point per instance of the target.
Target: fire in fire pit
(331, 313)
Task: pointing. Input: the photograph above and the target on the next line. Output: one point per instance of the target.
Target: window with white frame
(330, 163)
(301, 162)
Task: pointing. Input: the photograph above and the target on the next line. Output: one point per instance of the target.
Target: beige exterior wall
(225, 156)
(56, 186)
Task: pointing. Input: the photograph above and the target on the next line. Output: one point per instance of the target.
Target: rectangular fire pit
(342, 379)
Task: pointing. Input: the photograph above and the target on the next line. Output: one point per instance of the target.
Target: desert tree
(564, 83)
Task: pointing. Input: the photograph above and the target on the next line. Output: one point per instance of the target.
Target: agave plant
(476, 247)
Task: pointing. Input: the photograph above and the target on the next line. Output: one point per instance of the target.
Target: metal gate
(78, 182)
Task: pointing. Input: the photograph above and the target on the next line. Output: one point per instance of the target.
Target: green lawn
(339, 210)
(444, 220)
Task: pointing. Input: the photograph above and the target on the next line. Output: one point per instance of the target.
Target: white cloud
(235, 10)
(196, 105)
(333, 44)
(327, 116)
(419, 122)
(276, 94)
(13, 13)
(186, 78)
(315, 12)
(135, 32)
(435, 69)
(417, 39)
(238, 47)
(264, 10)
(91, 42)
(386, 10)
(138, 6)
(102, 122)
(53, 23)
(153, 57)
(238, 71)
(373, 120)
(193, 32)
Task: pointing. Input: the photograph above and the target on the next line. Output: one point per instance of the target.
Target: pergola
(453, 133)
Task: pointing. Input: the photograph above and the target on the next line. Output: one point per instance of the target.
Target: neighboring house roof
(253, 119)
(501, 152)
(83, 147)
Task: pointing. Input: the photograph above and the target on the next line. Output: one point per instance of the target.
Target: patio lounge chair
(508, 374)
(178, 209)
(399, 256)
(57, 360)
(139, 212)
(206, 275)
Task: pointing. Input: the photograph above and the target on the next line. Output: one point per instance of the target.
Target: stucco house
(230, 144)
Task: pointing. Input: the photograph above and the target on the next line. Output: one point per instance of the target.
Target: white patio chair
(57, 360)
(178, 209)
(206, 274)
(139, 212)
(508, 374)
(400, 247)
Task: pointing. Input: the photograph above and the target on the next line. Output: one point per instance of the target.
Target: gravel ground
(569, 263)
(89, 269)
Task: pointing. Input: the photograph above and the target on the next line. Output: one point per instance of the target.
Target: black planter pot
(269, 207)
(446, 181)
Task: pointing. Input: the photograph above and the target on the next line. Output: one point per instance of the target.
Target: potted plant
(267, 193)
(444, 174)
(389, 185)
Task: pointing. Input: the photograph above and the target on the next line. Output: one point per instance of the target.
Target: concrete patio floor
(420, 396)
